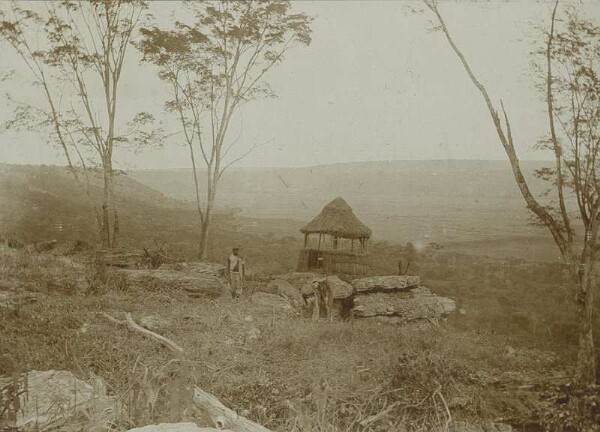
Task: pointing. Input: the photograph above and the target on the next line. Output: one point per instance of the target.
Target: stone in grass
(55, 399)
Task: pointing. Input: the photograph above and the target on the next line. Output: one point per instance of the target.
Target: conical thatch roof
(337, 219)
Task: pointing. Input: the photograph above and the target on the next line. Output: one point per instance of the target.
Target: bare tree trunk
(583, 268)
(585, 277)
(203, 243)
(106, 231)
(204, 230)
(115, 225)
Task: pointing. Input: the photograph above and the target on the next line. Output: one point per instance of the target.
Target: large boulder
(300, 279)
(194, 284)
(385, 283)
(341, 289)
(417, 304)
(272, 302)
(55, 399)
(286, 290)
(303, 283)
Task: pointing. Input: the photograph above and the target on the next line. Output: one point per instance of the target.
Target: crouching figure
(323, 299)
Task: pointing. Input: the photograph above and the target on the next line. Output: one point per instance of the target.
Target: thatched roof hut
(329, 253)
(337, 219)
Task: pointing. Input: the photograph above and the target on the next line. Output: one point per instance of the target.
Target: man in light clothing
(235, 272)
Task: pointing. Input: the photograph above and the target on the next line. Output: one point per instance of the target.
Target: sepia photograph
(299, 215)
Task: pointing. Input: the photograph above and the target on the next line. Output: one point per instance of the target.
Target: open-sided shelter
(335, 242)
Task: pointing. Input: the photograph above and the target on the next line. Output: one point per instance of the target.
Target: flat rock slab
(175, 427)
(412, 305)
(194, 284)
(53, 399)
(385, 283)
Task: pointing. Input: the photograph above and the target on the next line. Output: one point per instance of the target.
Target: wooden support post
(319, 247)
(305, 240)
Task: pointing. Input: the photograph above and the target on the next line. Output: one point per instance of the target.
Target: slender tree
(571, 90)
(214, 66)
(75, 52)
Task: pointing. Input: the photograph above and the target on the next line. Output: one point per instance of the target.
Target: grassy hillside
(498, 359)
(42, 202)
(39, 203)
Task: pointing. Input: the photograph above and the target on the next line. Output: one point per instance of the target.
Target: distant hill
(442, 200)
(45, 202)
(472, 207)
(40, 202)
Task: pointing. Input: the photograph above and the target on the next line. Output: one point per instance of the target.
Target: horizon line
(381, 161)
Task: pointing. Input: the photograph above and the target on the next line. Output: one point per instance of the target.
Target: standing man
(235, 272)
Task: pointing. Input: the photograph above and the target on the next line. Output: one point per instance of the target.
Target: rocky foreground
(59, 400)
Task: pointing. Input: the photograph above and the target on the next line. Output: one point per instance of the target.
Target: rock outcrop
(273, 302)
(195, 284)
(385, 283)
(412, 305)
(341, 289)
(54, 399)
(396, 299)
(300, 280)
(286, 290)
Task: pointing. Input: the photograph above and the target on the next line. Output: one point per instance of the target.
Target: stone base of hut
(332, 262)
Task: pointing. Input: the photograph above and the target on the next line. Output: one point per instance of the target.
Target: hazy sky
(375, 84)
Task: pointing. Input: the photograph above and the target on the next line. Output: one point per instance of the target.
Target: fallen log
(223, 417)
(131, 324)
